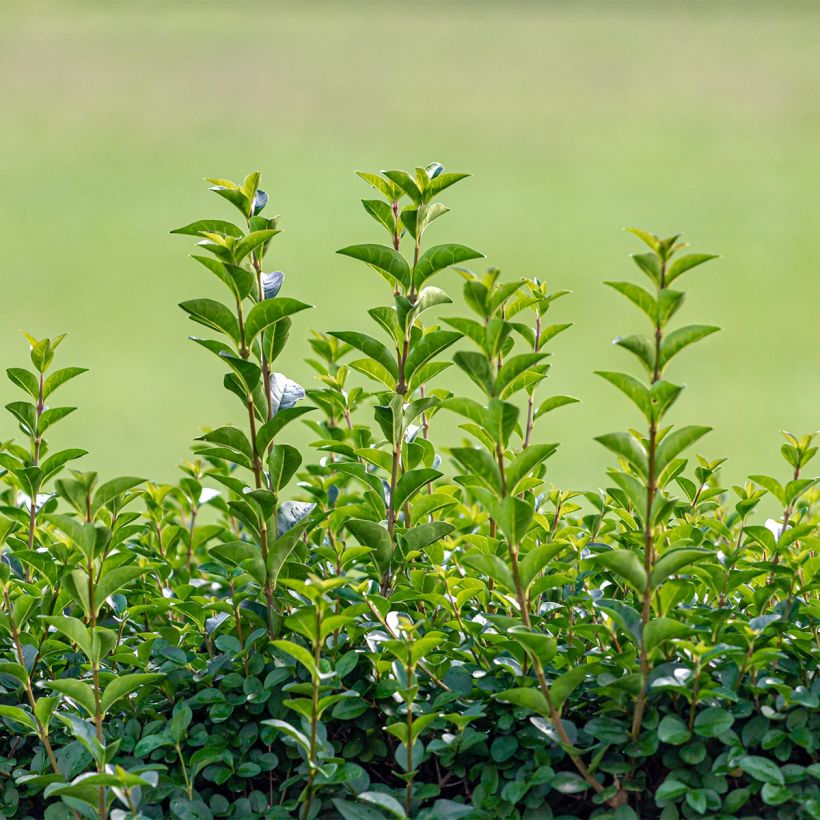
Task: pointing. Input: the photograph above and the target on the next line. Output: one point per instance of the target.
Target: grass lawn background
(575, 121)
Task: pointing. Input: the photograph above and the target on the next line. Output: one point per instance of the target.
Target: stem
(649, 535)
(314, 720)
(257, 474)
(408, 796)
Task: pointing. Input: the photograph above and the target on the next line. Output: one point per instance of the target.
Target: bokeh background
(575, 120)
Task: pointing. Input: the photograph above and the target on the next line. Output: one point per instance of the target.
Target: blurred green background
(575, 120)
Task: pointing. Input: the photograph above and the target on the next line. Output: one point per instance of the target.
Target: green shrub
(393, 625)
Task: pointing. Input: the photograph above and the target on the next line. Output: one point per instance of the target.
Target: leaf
(685, 263)
(523, 464)
(540, 646)
(623, 615)
(382, 258)
(659, 630)
(492, 566)
(526, 698)
(373, 535)
(370, 347)
(762, 769)
(19, 716)
(564, 685)
(477, 367)
(439, 257)
(203, 226)
(263, 314)
(536, 560)
(626, 445)
(214, 315)
(425, 534)
(25, 380)
(553, 403)
(381, 212)
(638, 296)
(479, 463)
(124, 685)
(673, 730)
(675, 443)
(249, 243)
(60, 377)
(299, 653)
(112, 489)
(75, 630)
(639, 346)
(284, 393)
(678, 339)
(634, 389)
(626, 564)
(383, 801)
(713, 722)
(112, 580)
(673, 561)
(375, 371)
(513, 517)
(270, 429)
(410, 483)
(81, 693)
(430, 345)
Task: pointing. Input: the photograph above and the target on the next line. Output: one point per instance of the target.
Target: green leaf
(639, 346)
(381, 212)
(523, 464)
(673, 730)
(214, 315)
(634, 389)
(673, 561)
(493, 567)
(18, 716)
(713, 722)
(685, 263)
(25, 380)
(564, 685)
(430, 345)
(678, 339)
(638, 296)
(626, 564)
(675, 443)
(112, 580)
(124, 685)
(479, 463)
(425, 534)
(526, 698)
(762, 769)
(553, 403)
(264, 314)
(299, 653)
(477, 367)
(112, 489)
(442, 256)
(659, 630)
(373, 535)
(60, 377)
(410, 483)
(540, 646)
(203, 226)
(370, 347)
(382, 258)
(75, 630)
(81, 693)
(626, 445)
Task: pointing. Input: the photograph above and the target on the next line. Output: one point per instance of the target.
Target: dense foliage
(384, 626)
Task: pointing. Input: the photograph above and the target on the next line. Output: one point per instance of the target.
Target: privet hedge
(393, 623)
